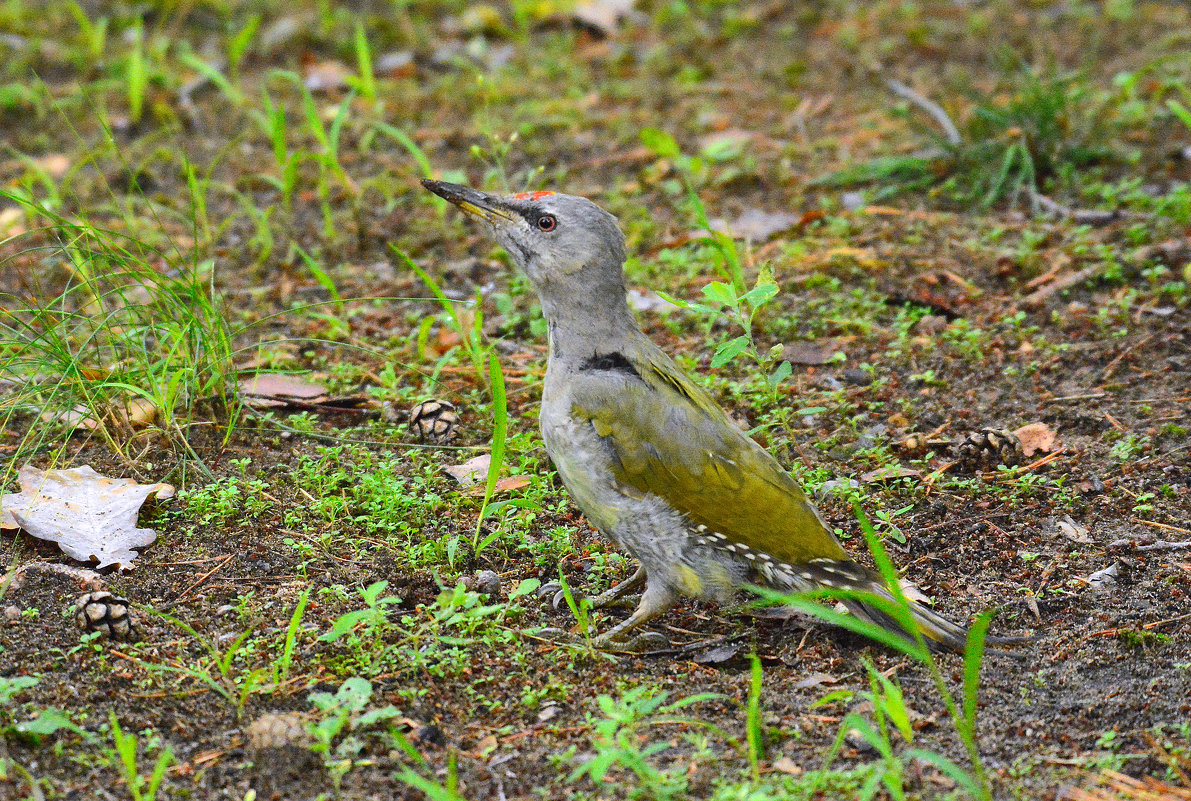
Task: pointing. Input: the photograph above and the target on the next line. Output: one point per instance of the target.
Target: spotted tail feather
(939, 633)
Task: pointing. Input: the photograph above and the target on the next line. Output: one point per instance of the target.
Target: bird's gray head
(566, 245)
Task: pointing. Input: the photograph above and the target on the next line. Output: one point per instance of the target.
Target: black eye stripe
(535, 216)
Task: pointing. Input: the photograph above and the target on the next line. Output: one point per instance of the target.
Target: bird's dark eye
(547, 222)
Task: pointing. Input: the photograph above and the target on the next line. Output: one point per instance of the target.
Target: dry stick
(937, 113)
(1040, 296)
(1146, 627)
(1163, 545)
(1162, 525)
(203, 578)
(1112, 366)
(1089, 216)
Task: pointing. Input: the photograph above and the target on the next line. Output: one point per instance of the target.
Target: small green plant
(618, 743)
(141, 788)
(731, 298)
(470, 336)
(341, 719)
(1029, 131)
(136, 337)
(886, 696)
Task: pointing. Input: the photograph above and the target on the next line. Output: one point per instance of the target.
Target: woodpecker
(646, 453)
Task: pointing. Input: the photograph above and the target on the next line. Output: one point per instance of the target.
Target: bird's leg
(655, 601)
(617, 594)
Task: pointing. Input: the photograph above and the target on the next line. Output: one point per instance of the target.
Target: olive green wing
(671, 439)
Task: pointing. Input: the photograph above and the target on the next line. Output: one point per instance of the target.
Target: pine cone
(434, 420)
(987, 448)
(107, 613)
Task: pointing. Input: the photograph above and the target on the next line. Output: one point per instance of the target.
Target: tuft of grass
(1019, 139)
(109, 336)
(886, 697)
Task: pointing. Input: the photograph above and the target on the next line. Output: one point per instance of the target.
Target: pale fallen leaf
(73, 418)
(602, 15)
(912, 593)
(54, 165)
(272, 385)
(814, 680)
(90, 516)
(647, 300)
(326, 76)
(1073, 531)
(471, 471)
(717, 654)
(1105, 579)
(787, 766)
(756, 225)
(10, 222)
(138, 412)
(1036, 437)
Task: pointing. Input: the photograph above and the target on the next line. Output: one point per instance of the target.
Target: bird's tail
(939, 632)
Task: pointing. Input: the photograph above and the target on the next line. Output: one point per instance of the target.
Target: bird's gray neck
(582, 327)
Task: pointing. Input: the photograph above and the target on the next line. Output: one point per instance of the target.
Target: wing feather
(673, 440)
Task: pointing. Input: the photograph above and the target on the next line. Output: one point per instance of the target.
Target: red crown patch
(532, 195)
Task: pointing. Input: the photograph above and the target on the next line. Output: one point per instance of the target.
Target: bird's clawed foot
(619, 595)
(638, 643)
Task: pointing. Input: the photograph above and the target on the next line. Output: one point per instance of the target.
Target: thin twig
(1161, 525)
(1040, 296)
(1083, 216)
(937, 112)
(1112, 366)
(201, 579)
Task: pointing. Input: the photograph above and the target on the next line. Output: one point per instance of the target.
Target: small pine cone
(434, 420)
(107, 613)
(913, 445)
(988, 447)
(277, 730)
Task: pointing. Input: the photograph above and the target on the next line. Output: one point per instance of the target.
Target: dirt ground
(952, 318)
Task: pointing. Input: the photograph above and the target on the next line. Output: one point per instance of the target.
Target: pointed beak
(473, 202)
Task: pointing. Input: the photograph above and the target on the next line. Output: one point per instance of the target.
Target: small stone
(857, 377)
(12, 613)
(488, 583)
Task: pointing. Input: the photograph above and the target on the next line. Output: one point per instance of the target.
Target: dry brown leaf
(502, 485)
(1036, 437)
(265, 390)
(812, 353)
(889, 473)
(90, 516)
